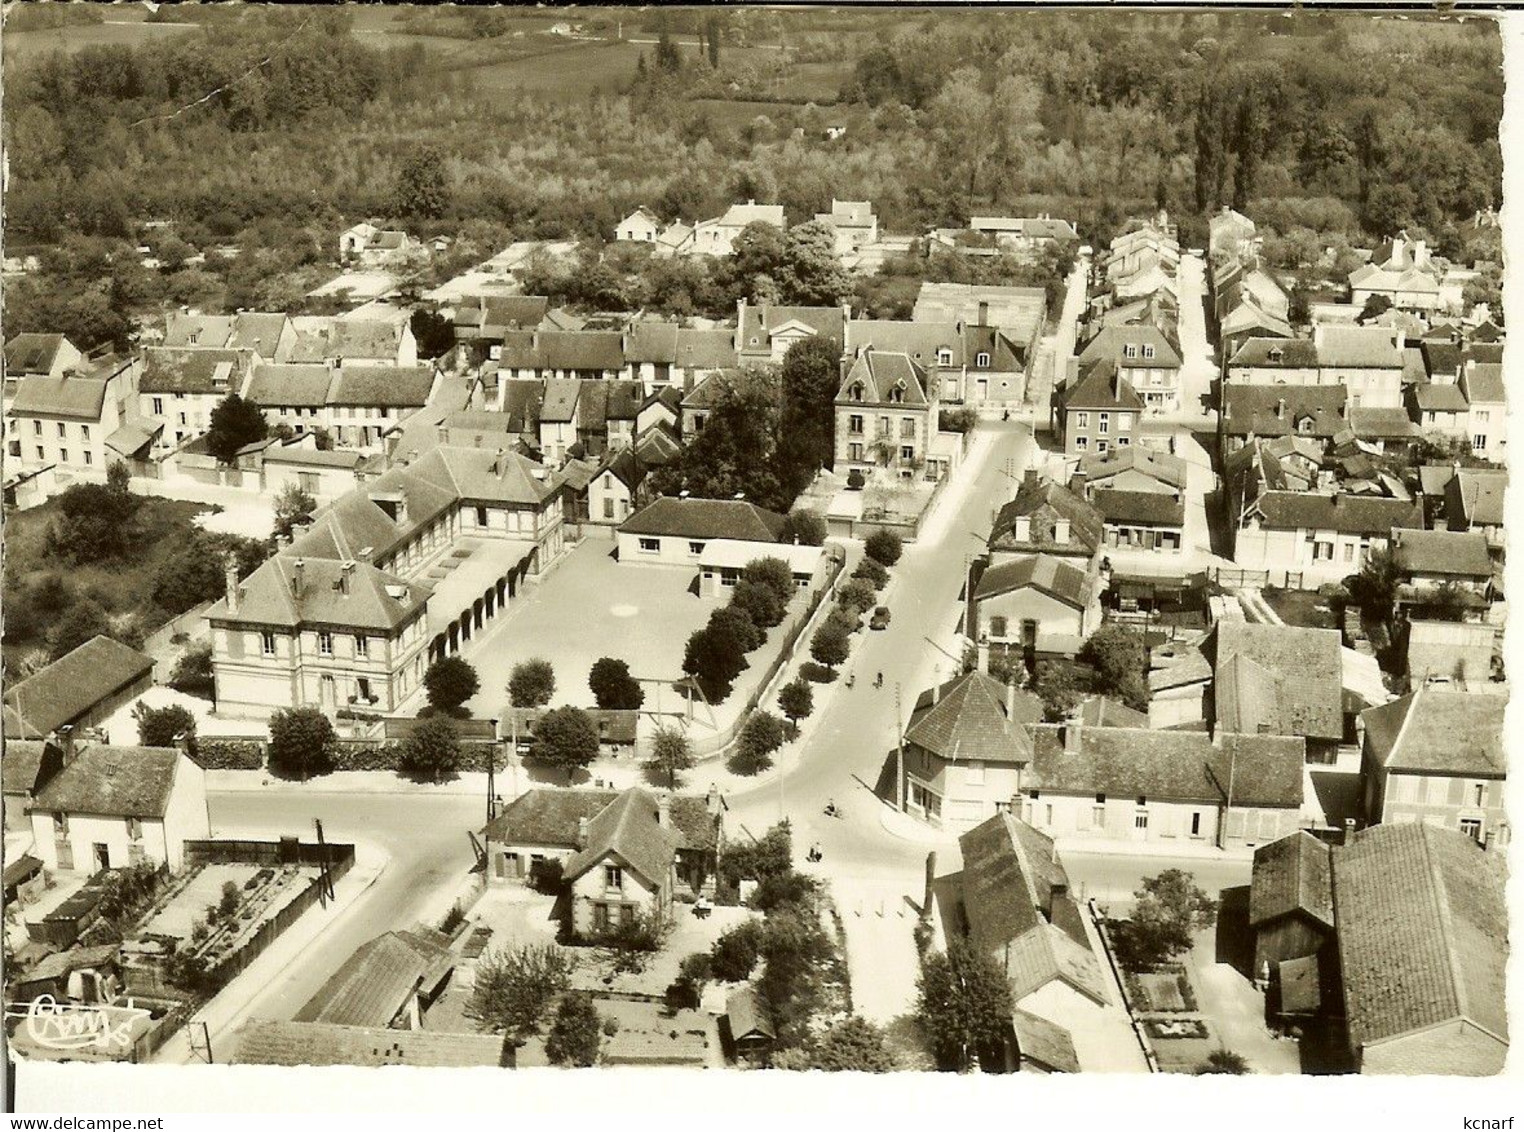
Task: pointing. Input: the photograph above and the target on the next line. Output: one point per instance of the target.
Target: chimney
(346, 576)
(1023, 528)
(1401, 338)
(497, 462)
(984, 313)
(1420, 253)
(298, 570)
(1280, 408)
(581, 833)
(1072, 729)
(64, 737)
(1399, 244)
(1010, 699)
(982, 654)
(712, 801)
(230, 578)
(1318, 330)
(664, 811)
(1061, 531)
(936, 688)
(931, 873)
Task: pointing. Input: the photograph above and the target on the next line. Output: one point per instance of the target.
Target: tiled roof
(628, 828)
(1484, 383)
(79, 398)
(1110, 342)
(965, 719)
(32, 353)
(1048, 953)
(1139, 507)
(550, 816)
(704, 519)
(1102, 386)
(881, 375)
(113, 782)
(194, 370)
(1046, 1043)
(560, 404)
(1292, 875)
(1162, 466)
(391, 386)
(299, 454)
(749, 1014)
(1437, 397)
(1375, 423)
(74, 683)
(705, 349)
(582, 350)
(266, 1042)
(761, 321)
(213, 330)
(1359, 347)
(1043, 503)
(1442, 732)
(1462, 554)
(258, 331)
(651, 340)
(1053, 576)
(1284, 677)
(522, 312)
(1423, 933)
(1279, 410)
(1183, 766)
(625, 466)
(1103, 711)
(24, 763)
(1008, 873)
(1476, 496)
(376, 981)
(1349, 514)
(303, 386)
(1016, 310)
(657, 446)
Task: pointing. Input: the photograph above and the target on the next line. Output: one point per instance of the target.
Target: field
(126, 27)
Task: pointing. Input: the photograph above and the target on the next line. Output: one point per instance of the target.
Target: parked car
(880, 618)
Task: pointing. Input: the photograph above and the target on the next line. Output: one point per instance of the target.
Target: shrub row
(229, 754)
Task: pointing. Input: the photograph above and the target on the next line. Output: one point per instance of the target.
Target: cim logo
(69, 1026)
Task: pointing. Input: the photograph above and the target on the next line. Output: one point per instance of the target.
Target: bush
(774, 573)
(806, 527)
(783, 889)
(432, 751)
(513, 986)
(736, 952)
(696, 969)
(228, 905)
(193, 672)
(229, 754)
(958, 420)
(856, 480)
(816, 673)
(566, 737)
(159, 727)
(575, 1034)
(856, 595)
(876, 574)
(884, 547)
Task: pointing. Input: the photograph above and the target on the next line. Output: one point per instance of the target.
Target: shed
(750, 1021)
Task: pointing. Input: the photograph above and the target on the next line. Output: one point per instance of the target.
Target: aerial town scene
(816, 539)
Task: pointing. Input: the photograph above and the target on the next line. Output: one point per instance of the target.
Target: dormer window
(897, 394)
(1130, 350)
(944, 356)
(982, 360)
(1148, 350)
(856, 392)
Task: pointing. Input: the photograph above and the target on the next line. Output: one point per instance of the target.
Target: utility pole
(899, 753)
(325, 891)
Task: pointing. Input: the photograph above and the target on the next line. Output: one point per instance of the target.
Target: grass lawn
(1303, 607)
(161, 527)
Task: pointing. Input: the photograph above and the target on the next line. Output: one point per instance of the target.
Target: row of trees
(716, 654)
(832, 641)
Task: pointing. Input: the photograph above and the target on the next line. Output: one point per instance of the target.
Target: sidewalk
(238, 1000)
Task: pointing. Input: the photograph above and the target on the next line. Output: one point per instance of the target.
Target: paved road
(857, 730)
(424, 837)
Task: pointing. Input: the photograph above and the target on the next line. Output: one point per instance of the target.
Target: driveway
(1235, 1011)
(1200, 364)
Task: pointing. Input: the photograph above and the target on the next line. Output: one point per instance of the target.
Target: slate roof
(657, 446)
(919, 341)
(194, 370)
(32, 353)
(73, 684)
(375, 982)
(1103, 711)
(1153, 507)
(1460, 554)
(1276, 353)
(1278, 410)
(269, 596)
(1046, 1043)
(705, 519)
(1102, 386)
(266, 1042)
(1292, 875)
(1006, 885)
(748, 1013)
(625, 466)
(209, 330)
(1284, 677)
(512, 311)
(1053, 576)
(627, 828)
(304, 386)
(1381, 423)
(965, 719)
(78, 398)
(113, 782)
(1349, 514)
(1422, 933)
(560, 404)
(581, 350)
(1042, 503)
(1475, 496)
(1110, 341)
(405, 387)
(1359, 347)
(1438, 731)
(1185, 766)
(881, 374)
(1440, 398)
(259, 331)
(651, 340)
(1484, 384)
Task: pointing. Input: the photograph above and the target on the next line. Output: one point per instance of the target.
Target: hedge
(388, 756)
(229, 754)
